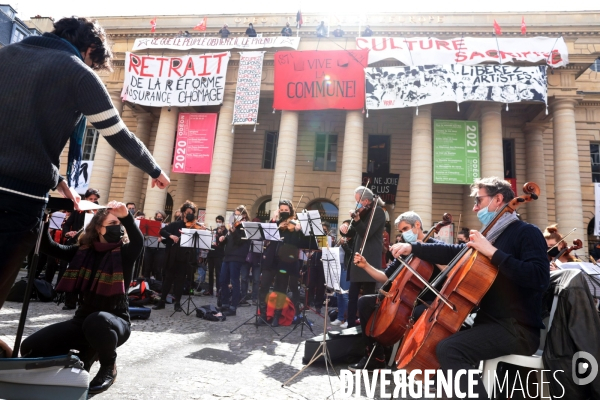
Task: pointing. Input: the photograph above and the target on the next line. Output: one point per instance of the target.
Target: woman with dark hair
(180, 259)
(100, 268)
(555, 243)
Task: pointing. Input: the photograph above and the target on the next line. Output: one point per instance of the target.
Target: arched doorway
(169, 207)
(264, 210)
(328, 211)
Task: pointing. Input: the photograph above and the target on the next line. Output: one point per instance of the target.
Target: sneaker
(362, 364)
(335, 322)
(344, 325)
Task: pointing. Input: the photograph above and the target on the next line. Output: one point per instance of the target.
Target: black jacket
(373, 246)
(251, 32)
(283, 256)
(236, 247)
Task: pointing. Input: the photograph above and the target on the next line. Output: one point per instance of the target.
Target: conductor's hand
(344, 228)
(162, 181)
(117, 209)
(174, 238)
(360, 261)
(401, 249)
(69, 193)
(481, 244)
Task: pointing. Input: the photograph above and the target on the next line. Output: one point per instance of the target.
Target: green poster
(455, 152)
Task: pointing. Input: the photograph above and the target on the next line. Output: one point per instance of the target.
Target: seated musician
(409, 223)
(553, 237)
(510, 315)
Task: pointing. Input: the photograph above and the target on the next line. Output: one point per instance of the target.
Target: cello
(470, 276)
(397, 296)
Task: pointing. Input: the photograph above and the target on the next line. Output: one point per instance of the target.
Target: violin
(577, 244)
(361, 212)
(469, 277)
(398, 295)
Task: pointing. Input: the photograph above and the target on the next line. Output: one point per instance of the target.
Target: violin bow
(562, 240)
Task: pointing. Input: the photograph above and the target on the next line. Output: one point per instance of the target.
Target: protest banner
(455, 152)
(194, 143)
(319, 80)
(247, 91)
(383, 185)
(213, 43)
(191, 80)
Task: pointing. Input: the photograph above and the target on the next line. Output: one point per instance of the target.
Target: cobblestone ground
(184, 357)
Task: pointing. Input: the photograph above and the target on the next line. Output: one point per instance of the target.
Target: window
(270, 150)
(328, 212)
(378, 154)
(17, 36)
(596, 65)
(325, 152)
(264, 210)
(595, 159)
(90, 141)
(508, 150)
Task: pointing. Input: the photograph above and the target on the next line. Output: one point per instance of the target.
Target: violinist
(510, 315)
(236, 250)
(411, 228)
(373, 245)
(553, 237)
(180, 260)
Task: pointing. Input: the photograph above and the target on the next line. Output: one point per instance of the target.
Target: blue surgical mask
(359, 206)
(485, 216)
(409, 236)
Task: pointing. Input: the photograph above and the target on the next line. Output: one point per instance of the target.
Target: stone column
(352, 163)
(220, 175)
(285, 161)
(468, 218)
(104, 159)
(163, 154)
(537, 211)
(185, 188)
(135, 176)
(567, 181)
(421, 166)
(492, 162)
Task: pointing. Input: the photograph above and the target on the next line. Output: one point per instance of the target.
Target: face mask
(114, 233)
(460, 241)
(284, 215)
(409, 236)
(158, 219)
(554, 252)
(485, 216)
(359, 206)
(189, 217)
(219, 224)
(131, 211)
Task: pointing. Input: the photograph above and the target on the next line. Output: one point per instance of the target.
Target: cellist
(410, 226)
(510, 315)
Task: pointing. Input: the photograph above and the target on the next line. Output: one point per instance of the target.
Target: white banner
(212, 43)
(191, 80)
(398, 87)
(468, 50)
(83, 176)
(247, 92)
(597, 209)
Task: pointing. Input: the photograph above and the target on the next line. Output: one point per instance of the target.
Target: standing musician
(510, 315)
(553, 237)
(411, 228)
(373, 246)
(180, 260)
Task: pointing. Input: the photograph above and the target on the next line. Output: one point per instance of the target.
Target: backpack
(210, 313)
(42, 290)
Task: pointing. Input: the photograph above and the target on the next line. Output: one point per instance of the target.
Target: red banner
(195, 142)
(319, 80)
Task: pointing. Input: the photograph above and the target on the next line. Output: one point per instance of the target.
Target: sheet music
(257, 246)
(592, 275)
(271, 232)
(86, 205)
(56, 220)
(311, 218)
(87, 219)
(187, 238)
(332, 267)
(151, 241)
(252, 230)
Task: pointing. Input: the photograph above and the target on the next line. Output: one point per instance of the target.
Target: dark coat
(236, 247)
(373, 246)
(283, 256)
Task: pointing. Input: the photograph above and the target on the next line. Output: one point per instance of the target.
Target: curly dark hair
(84, 33)
(187, 204)
(90, 233)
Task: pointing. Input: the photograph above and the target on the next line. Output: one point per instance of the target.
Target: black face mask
(158, 219)
(114, 233)
(189, 217)
(284, 215)
(554, 252)
(460, 241)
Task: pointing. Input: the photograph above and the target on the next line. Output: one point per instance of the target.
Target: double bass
(470, 275)
(397, 296)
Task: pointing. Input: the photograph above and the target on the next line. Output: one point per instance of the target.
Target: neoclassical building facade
(318, 157)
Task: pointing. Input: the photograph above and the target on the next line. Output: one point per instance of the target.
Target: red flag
(497, 29)
(523, 26)
(153, 25)
(201, 26)
(299, 21)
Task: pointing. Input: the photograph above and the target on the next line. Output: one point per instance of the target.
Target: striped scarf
(106, 289)
(500, 226)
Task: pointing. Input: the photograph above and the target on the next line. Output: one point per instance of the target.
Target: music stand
(255, 231)
(198, 240)
(151, 231)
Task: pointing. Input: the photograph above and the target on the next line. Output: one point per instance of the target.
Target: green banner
(455, 152)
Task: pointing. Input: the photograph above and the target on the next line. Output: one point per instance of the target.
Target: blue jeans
(19, 222)
(245, 275)
(342, 299)
(230, 272)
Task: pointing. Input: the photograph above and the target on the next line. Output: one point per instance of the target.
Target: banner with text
(398, 87)
(191, 80)
(247, 92)
(468, 50)
(319, 80)
(455, 152)
(212, 43)
(383, 185)
(195, 142)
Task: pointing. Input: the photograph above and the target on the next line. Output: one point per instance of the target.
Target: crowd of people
(321, 31)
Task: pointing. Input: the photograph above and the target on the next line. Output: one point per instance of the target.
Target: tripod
(303, 321)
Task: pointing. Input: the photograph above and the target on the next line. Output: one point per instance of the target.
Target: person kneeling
(100, 268)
